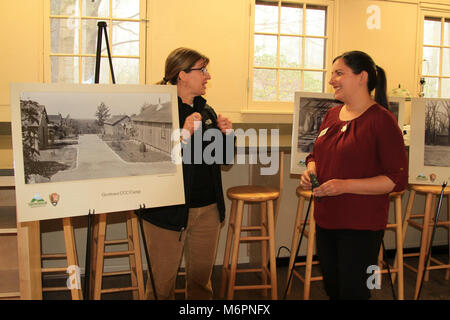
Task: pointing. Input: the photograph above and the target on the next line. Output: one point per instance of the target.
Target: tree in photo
(30, 121)
(102, 114)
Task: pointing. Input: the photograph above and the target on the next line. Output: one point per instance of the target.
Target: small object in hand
(315, 183)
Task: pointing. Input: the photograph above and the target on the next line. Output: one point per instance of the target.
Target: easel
(100, 221)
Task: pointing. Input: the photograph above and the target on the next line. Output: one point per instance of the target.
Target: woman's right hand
(192, 123)
(305, 180)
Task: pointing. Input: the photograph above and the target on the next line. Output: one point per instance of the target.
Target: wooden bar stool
(397, 269)
(426, 228)
(71, 256)
(134, 253)
(309, 234)
(239, 196)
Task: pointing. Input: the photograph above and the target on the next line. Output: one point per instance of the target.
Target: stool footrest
(114, 242)
(119, 290)
(55, 289)
(118, 253)
(117, 273)
(54, 270)
(254, 238)
(253, 287)
(302, 279)
(54, 256)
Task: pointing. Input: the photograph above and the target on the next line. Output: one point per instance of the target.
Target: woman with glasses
(359, 158)
(192, 228)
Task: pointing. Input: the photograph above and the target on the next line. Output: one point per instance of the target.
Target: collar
(199, 103)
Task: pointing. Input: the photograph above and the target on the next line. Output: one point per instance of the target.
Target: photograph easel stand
(101, 28)
(291, 272)
(388, 269)
(436, 218)
(87, 271)
(149, 265)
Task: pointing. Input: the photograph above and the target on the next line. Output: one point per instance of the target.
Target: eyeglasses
(203, 70)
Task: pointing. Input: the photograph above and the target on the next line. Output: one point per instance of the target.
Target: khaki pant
(199, 242)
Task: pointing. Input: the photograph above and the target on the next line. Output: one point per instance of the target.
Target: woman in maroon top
(359, 158)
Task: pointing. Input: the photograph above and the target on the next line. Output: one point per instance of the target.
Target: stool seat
(303, 192)
(396, 194)
(436, 190)
(252, 193)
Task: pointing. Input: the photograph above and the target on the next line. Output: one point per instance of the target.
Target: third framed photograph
(429, 154)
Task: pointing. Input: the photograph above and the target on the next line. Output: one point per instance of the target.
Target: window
(289, 49)
(436, 57)
(73, 40)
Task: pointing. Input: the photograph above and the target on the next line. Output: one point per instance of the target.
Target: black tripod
(102, 29)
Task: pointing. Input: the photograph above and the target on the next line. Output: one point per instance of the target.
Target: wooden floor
(437, 288)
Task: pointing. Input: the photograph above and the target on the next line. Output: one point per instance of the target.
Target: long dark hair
(360, 61)
(181, 59)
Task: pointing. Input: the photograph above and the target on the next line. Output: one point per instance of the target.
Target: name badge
(322, 133)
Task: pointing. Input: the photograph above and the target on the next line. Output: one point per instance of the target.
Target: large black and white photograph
(437, 133)
(430, 141)
(69, 136)
(103, 147)
(309, 110)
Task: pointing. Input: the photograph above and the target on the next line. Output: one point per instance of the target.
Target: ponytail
(380, 88)
(164, 81)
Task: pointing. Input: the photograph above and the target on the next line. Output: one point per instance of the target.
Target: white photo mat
(104, 189)
(429, 163)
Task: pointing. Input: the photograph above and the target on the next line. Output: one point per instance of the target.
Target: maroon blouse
(368, 146)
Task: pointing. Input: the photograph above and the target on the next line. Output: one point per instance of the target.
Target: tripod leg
(109, 56)
(149, 265)
(99, 52)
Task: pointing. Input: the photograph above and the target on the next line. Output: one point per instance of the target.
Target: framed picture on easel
(103, 147)
(429, 156)
(309, 110)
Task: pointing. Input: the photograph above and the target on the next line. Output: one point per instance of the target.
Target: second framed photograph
(309, 110)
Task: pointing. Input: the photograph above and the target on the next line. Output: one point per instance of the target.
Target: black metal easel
(291, 272)
(149, 265)
(87, 273)
(102, 29)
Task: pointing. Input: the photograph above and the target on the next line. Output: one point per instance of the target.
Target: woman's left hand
(333, 187)
(224, 124)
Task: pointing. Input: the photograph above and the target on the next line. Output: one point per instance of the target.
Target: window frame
(287, 106)
(438, 15)
(142, 41)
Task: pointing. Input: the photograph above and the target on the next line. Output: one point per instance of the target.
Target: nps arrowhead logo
(37, 201)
